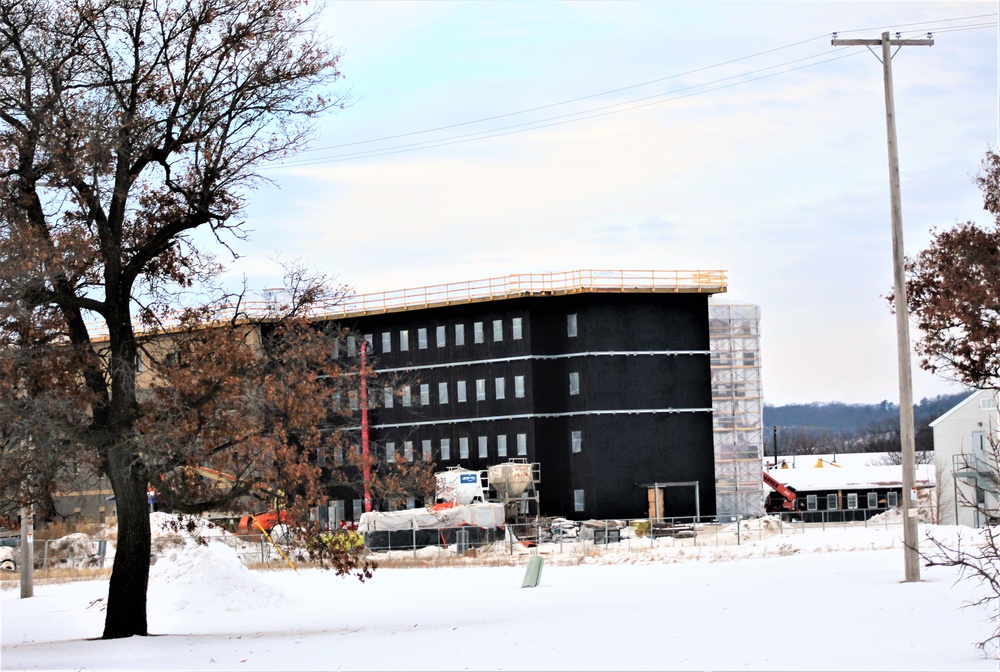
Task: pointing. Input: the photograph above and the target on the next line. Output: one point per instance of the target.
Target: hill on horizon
(841, 417)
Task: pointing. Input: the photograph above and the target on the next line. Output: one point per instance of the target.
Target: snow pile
(761, 528)
(75, 551)
(203, 578)
(895, 516)
(172, 525)
(10, 554)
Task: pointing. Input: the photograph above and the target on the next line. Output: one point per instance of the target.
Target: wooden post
(27, 552)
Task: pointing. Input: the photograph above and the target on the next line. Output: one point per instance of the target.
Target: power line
(604, 110)
(567, 102)
(918, 23)
(561, 120)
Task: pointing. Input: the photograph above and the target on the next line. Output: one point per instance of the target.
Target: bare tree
(125, 127)
(977, 553)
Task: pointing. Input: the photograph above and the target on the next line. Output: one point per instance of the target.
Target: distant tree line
(817, 428)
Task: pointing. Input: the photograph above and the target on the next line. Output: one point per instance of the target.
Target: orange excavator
(254, 523)
(266, 520)
(786, 501)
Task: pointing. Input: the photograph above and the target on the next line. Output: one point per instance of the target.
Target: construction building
(734, 336)
(604, 378)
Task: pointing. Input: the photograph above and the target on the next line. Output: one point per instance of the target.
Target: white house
(965, 462)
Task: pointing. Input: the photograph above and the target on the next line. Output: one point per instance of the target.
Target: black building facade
(607, 387)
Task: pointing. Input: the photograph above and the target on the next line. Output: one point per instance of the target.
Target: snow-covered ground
(811, 600)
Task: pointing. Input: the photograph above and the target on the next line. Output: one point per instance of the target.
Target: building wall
(956, 435)
(640, 397)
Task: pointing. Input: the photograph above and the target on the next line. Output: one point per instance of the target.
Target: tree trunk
(126, 615)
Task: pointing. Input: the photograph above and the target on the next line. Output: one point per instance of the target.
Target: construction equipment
(461, 485)
(275, 521)
(516, 485)
(786, 499)
(265, 520)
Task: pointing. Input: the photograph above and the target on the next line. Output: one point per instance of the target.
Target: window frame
(574, 383)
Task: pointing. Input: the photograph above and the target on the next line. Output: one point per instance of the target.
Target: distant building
(602, 377)
(849, 490)
(966, 460)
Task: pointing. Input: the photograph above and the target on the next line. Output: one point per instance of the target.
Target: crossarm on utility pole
(922, 42)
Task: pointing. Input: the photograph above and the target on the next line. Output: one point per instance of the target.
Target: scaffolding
(737, 402)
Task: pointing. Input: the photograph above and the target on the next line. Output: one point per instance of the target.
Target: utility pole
(911, 542)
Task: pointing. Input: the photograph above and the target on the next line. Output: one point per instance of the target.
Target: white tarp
(481, 515)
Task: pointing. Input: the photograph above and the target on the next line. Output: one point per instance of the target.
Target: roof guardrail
(487, 289)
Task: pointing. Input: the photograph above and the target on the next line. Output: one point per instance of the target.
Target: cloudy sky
(484, 139)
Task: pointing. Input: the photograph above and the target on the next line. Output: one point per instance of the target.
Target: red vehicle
(785, 501)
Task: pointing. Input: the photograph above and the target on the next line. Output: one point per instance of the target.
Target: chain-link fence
(548, 536)
(556, 536)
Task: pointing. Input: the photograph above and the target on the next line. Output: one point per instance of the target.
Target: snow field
(828, 604)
